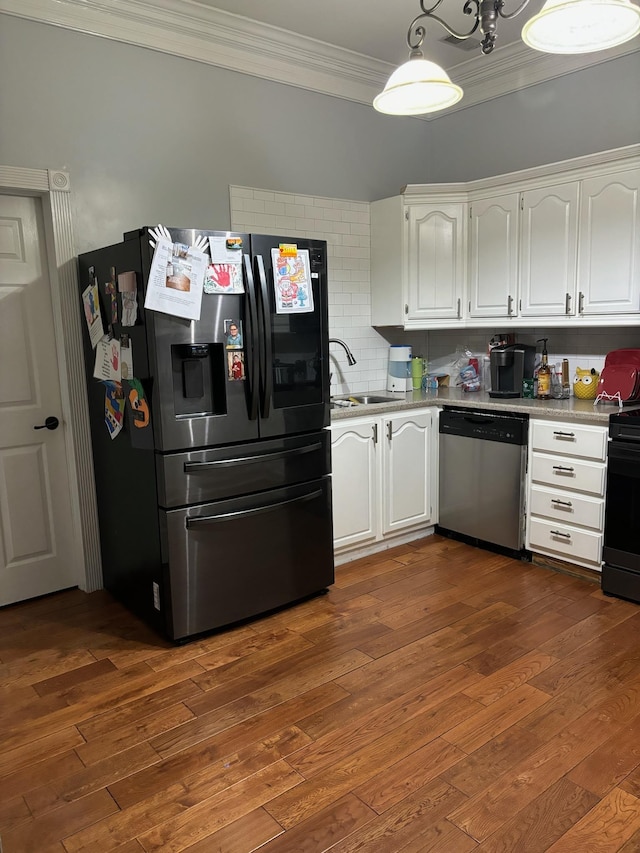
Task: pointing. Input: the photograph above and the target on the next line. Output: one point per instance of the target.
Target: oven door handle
(196, 467)
(243, 513)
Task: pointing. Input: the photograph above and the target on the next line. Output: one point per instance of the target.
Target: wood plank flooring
(438, 698)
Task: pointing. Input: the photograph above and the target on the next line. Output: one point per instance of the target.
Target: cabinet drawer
(567, 507)
(569, 543)
(588, 442)
(566, 473)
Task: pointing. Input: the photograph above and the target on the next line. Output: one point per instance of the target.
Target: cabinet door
(609, 253)
(407, 481)
(354, 481)
(435, 261)
(493, 256)
(548, 249)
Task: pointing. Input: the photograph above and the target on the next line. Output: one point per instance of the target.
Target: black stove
(621, 551)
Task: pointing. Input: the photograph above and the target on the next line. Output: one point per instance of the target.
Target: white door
(609, 253)
(407, 478)
(548, 249)
(35, 508)
(354, 481)
(435, 262)
(493, 256)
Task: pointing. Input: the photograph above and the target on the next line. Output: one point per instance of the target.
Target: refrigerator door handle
(252, 344)
(227, 516)
(194, 467)
(267, 343)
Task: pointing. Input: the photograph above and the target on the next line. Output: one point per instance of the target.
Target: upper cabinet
(609, 244)
(548, 245)
(493, 256)
(559, 246)
(523, 253)
(418, 253)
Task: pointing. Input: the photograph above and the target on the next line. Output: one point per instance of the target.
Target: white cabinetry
(493, 260)
(558, 245)
(609, 256)
(354, 481)
(523, 253)
(418, 254)
(548, 244)
(384, 471)
(566, 487)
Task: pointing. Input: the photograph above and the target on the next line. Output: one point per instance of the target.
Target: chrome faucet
(350, 357)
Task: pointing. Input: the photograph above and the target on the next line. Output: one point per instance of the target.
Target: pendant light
(582, 26)
(416, 88)
(562, 26)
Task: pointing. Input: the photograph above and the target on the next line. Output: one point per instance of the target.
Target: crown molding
(187, 29)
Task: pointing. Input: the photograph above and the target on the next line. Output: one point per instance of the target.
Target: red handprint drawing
(223, 275)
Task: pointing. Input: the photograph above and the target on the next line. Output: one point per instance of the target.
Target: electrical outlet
(156, 603)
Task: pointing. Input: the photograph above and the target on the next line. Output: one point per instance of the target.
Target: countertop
(564, 410)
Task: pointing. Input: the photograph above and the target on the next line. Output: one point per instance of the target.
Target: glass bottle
(544, 373)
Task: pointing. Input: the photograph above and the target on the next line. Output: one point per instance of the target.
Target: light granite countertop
(564, 410)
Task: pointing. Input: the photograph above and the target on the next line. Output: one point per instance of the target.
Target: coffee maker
(510, 364)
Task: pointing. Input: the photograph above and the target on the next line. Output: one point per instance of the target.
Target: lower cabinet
(566, 487)
(384, 471)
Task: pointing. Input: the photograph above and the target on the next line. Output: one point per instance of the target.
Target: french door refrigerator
(219, 508)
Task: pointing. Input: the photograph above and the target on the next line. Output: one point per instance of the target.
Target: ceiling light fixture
(562, 26)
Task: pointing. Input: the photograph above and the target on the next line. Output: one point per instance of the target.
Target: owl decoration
(585, 383)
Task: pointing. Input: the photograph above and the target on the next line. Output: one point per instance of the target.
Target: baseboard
(339, 558)
(566, 568)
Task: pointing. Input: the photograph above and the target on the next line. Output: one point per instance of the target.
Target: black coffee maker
(510, 364)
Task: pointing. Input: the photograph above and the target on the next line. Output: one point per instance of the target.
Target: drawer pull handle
(562, 503)
(560, 533)
(564, 434)
(563, 468)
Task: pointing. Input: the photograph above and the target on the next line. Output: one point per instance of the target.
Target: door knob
(50, 423)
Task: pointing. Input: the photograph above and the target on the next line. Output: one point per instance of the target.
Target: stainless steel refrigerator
(214, 501)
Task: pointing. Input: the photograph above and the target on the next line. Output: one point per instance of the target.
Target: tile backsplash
(345, 226)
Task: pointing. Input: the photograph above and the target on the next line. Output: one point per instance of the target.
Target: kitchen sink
(367, 399)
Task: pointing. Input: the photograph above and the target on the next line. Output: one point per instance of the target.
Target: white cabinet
(558, 245)
(609, 255)
(566, 487)
(548, 246)
(493, 256)
(418, 253)
(355, 477)
(523, 253)
(383, 479)
(407, 487)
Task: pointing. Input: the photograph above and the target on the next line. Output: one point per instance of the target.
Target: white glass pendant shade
(582, 26)
(417, 87)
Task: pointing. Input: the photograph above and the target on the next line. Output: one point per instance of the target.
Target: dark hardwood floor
(439, 698)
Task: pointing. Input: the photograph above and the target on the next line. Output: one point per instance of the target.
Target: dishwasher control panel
(505, 427)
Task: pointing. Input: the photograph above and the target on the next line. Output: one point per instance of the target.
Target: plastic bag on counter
(461, 367)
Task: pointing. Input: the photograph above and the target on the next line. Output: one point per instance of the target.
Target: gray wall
(584, 112)
(152, 138)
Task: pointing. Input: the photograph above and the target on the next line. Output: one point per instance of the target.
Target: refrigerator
(214, 499)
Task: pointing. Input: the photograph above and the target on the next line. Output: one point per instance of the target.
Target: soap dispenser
(544, 373)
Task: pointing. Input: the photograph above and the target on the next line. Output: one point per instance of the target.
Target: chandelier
(562, 26)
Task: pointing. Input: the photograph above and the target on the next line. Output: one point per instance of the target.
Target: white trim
(191, 30)
(53, 187)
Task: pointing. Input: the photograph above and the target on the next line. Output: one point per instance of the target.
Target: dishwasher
(483, 456)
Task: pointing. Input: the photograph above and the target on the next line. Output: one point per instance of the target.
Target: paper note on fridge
(176, 280)
(107, 364)
(292, 281)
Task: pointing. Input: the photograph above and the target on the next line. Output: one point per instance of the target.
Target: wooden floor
(439, 698)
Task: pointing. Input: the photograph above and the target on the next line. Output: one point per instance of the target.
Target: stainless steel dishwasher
(482, 476)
